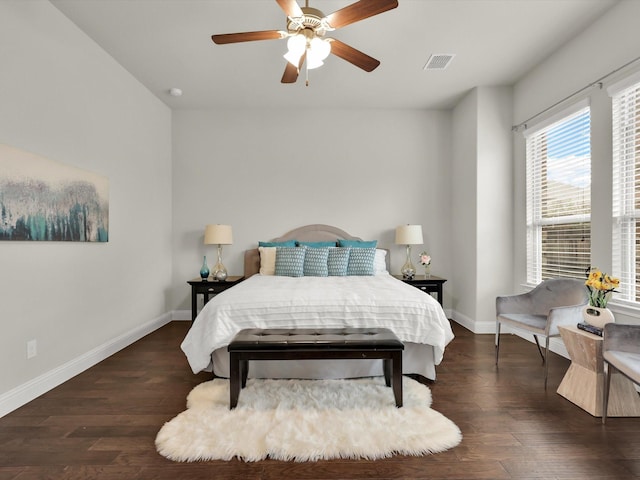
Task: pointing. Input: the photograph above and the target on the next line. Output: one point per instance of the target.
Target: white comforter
(264, 301)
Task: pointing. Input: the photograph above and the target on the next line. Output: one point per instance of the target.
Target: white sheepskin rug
(306, 420)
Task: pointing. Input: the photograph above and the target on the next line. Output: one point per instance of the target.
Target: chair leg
(539, 349)
(497, 340)
(605, 391)
(546, 362)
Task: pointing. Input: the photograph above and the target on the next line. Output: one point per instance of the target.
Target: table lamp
(408, 235)
(218, 235)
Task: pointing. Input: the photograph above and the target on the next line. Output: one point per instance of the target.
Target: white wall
(64, 98)
(266, 172)
(611, 42)
(494, 245)
(463, 196)
(482, 208)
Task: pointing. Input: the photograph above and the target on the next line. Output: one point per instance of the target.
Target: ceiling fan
(306, 30)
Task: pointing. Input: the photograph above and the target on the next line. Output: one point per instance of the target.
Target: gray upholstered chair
(620, 352)
(554, 302)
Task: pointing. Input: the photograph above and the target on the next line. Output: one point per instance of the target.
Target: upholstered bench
(315, 344)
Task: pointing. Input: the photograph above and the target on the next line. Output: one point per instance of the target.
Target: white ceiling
(167, 43)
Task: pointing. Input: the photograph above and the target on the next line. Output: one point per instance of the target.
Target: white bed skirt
(416, 358)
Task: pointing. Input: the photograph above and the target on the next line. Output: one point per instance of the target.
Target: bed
(266, 300)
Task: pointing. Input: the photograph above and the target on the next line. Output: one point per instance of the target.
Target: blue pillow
(338, 261)
(288, 243)
(315, 262)
(358, 243)
(290, 261)
(361, 261)
(316, 244)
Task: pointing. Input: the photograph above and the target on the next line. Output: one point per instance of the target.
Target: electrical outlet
(32, 348)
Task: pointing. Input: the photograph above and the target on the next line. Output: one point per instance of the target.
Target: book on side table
(590, 328)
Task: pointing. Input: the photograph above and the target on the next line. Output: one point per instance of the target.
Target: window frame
(535, 192)
(625, 146)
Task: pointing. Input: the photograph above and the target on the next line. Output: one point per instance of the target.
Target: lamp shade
(409, 234)
(218, 234)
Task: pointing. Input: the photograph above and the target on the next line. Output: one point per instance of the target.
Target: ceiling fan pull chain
(306, 69)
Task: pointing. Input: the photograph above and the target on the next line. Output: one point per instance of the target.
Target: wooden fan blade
(351, 55)
(359, 11)
(247, 36)
(290, 7)
(291, 72)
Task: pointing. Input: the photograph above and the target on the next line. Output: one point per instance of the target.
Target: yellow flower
(611, 282)
(600, 286)
(593, 278)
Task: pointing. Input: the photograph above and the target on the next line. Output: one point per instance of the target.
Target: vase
(597, 316)
(204, 271)
(427, 271)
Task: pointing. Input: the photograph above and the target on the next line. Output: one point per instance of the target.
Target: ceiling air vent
(439, 61)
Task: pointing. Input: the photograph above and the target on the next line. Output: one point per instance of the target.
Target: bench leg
(244, 371)
(397, 377)
(234, 380)
(387, 365)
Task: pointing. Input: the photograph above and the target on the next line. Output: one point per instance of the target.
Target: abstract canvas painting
(45, 200)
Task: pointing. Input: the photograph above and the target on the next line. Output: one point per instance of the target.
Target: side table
(209, 288)
(584, 381)
(430, 284)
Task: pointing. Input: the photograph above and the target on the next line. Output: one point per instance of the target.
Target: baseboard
(32, 389)
(473, 325)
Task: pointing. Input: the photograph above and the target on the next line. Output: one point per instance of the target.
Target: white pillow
(267, 260)
(379, 263)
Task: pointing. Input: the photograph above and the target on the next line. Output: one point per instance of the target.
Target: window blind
(626, 190)
(559, 198)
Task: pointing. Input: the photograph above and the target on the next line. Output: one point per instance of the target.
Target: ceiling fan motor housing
(313, 19)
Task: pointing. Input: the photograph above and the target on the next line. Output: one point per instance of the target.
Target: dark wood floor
(102, 423)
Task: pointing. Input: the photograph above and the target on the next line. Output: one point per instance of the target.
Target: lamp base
(219, 272)
(408, 270)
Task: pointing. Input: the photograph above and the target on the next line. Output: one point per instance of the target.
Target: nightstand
(430, 284)
(208, 288)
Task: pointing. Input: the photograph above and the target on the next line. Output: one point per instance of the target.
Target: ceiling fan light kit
(306, 30)
(307, 41)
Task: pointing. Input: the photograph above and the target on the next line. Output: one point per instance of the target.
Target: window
(558, 177)
(626, 188)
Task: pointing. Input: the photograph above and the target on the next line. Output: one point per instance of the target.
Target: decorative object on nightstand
(218, 235)
(204, 270)
(425, 261)
(408, 235)
(600, 286)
